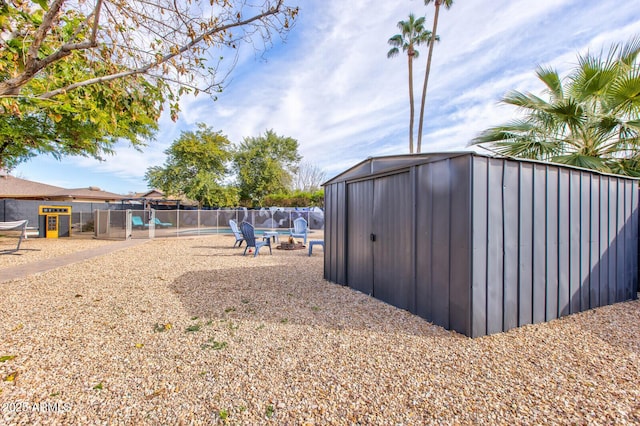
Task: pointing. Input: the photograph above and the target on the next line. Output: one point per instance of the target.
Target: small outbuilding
(480, 244)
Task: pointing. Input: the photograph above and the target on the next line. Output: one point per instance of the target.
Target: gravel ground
(188, 331)
(34, 249)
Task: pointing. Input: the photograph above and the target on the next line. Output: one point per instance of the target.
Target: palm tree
(437, 4)
(590, 120)
(412, 34)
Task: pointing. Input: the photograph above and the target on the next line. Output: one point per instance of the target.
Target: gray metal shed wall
(443, 243)
(359, 226)
(393, 250)
(420, 260)
(497, 243)
(548, 241)
(380, 238)
(334, 233)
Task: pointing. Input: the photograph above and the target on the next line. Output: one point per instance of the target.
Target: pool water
(206, 231)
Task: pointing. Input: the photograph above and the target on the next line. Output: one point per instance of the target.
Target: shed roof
(374, 166)
(387, 164)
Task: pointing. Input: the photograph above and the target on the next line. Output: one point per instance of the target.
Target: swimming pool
(211, 231)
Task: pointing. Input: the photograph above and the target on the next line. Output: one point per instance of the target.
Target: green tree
(412, 34)
(196, 168)
(437, 4)
(75, 76)
(265, 165)
(590, 119)
(297, 198)
(87, 122)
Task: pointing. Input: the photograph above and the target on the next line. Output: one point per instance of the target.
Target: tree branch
(33, 64)
(41, 32)
(146, 68)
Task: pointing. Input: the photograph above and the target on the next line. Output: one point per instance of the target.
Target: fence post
(128, 225)
(152, 224)
(96, 222)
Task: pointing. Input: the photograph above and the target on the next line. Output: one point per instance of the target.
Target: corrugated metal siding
(551, 242)
(538, 253)
(340, 244)
(334, 233)
(443, 244)
(558, 241)
(425, 301)
(393, 250)
(495, 250)
(479, 241)
(481, 245)
(460, 248)
(359, 226)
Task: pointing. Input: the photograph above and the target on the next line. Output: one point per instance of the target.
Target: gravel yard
(188, 331)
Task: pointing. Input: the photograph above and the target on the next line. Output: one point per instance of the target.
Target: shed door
(359, 225)
(392, 227)
(380, 239)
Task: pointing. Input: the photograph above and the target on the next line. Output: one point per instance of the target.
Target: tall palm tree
(412, 34)
(591, 119)
(432, 40)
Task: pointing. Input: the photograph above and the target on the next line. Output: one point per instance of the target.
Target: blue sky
(331, 86)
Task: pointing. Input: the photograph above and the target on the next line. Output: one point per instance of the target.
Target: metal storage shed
(480, 244)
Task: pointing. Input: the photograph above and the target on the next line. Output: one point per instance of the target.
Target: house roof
(157, 196)
(92, 192)
(16, 188)
(13, 187)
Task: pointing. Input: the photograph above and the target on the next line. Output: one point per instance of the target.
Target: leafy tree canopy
(296, 198)
(265, 165)
(196, 167)
(590, 119)
(75, 76)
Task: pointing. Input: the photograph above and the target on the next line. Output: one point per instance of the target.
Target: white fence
(124, 224)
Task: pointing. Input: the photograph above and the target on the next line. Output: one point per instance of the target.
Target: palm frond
(584, 161)
(592, 77)
(524, 100)
(624, 94)
(589, 119)
(393, 52)
(630, 51)
(552, 80)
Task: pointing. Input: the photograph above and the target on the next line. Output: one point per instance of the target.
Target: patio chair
(299, 229)
(18, 225)
(250, 238)
(236, 233)
(162, 224)
(137, 222)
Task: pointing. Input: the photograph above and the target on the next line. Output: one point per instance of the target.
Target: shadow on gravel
(293, 294)
(16, 253)
(618, 325)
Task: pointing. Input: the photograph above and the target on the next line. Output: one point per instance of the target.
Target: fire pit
(290, 246)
